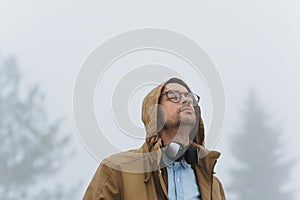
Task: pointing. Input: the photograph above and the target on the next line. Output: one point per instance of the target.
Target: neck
(177, 134)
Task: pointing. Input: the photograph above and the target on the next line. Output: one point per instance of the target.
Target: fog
(253, 44)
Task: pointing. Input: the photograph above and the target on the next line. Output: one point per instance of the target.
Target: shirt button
(178, 180)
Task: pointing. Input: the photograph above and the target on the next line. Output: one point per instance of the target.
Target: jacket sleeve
(104, 184)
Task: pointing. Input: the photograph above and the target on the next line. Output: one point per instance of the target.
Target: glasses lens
(194, 98)
(174, 96)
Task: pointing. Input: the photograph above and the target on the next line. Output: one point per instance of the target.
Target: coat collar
(206, 162)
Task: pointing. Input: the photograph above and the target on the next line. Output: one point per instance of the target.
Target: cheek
(161, 118)
(173, 112)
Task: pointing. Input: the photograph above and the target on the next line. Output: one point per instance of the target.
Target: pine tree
(31, 148)
(262, 170)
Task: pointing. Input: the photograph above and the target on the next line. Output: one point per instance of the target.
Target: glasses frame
(181, 93)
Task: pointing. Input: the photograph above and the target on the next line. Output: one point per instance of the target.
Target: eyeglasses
(175, 96)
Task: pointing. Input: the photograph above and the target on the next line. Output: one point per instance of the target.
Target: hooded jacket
(138, 174)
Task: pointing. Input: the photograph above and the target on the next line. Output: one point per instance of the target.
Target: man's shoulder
(123, 157)
(131, 161)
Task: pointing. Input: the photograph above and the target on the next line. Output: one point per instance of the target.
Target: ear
(161, 118)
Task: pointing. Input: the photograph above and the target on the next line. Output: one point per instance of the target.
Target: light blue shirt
(182, 183)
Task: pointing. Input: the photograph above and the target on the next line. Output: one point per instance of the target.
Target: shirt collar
(168, 162)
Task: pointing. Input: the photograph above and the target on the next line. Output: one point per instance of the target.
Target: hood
(149, 117)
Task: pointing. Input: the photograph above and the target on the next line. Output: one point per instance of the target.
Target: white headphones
(176, 151)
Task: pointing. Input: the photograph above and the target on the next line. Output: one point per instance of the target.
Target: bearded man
(172, 163)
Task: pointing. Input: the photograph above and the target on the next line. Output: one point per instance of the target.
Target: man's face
(177, 114)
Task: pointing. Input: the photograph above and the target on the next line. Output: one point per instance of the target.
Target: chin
(188, 121)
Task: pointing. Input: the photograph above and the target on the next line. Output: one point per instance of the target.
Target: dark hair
(179, 81)
(175, 80)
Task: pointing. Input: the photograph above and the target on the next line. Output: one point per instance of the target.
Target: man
(172, 163)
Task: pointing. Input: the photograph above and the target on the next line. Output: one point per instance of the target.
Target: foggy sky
(254, 44)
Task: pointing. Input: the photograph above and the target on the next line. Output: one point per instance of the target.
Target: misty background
(255, 46)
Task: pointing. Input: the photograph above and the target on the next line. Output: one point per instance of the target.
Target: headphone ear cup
(191, 155)
(176, 151)
(172, 150)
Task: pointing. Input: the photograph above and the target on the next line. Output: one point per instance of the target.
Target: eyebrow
(176, 91)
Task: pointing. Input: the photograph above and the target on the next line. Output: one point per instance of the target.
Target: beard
(182, 119)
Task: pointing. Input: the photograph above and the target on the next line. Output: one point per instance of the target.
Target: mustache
(183, 107)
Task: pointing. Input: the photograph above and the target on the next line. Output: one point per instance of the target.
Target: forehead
(174, 86)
